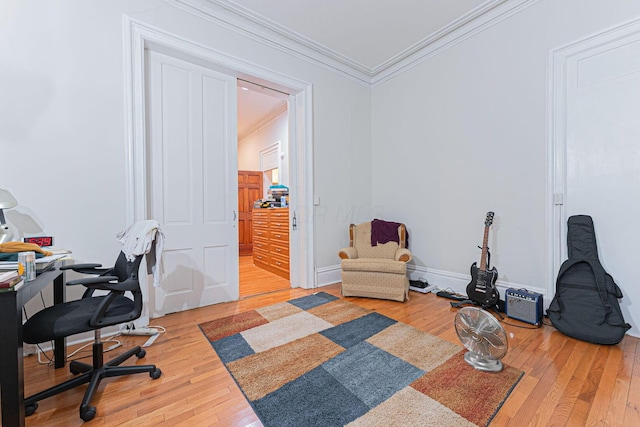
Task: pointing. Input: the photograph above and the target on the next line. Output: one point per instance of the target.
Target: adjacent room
(233, 161)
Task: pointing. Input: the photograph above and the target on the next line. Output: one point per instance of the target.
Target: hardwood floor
(255, 280)
(566, 382)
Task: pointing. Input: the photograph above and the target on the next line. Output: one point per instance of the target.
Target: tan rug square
(284, 330)
(262, 373)
(414, 346)
(278, 311)
(338, 312)
(409, 407)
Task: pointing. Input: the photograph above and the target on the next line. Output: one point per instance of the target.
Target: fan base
(481, 364)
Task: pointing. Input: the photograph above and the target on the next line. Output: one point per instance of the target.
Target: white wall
(62, 132)
(249, 147)
(466, 132)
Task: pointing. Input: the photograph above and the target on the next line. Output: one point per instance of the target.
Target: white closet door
(192, 172)
(603, 155)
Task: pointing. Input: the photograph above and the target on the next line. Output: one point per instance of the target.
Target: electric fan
(483, 336)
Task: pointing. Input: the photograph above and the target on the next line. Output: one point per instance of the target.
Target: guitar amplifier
(523, 305)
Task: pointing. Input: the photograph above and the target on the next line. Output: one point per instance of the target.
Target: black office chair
(91, 313)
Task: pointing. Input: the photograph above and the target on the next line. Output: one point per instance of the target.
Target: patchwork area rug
(321, 361)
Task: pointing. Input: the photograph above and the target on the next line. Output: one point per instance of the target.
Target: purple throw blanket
(386, 231)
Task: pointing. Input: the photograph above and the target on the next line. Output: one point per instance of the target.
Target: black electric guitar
(482, 288)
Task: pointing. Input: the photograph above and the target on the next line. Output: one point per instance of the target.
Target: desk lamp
(7, 201)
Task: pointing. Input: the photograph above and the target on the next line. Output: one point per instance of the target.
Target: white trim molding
(257, 27)
(444, 280)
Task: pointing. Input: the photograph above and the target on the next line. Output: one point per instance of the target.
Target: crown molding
(268, 117)
(449, 37)
(259, 28)
(213, 11)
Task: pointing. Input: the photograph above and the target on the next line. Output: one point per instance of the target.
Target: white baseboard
(442, 279)
(328, 275)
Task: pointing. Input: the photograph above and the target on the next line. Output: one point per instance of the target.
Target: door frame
(558, 81)
(139, 36)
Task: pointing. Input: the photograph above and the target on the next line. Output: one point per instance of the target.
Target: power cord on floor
(50, 360)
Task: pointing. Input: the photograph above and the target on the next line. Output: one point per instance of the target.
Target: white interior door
(192, 189)
(603, 155)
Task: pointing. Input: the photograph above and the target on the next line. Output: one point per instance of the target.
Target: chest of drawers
(271, 240)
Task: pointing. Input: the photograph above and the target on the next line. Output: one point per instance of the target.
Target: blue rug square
(314, 399)
(351, 333)
(314, 300)
(371, 373)
(232, 348)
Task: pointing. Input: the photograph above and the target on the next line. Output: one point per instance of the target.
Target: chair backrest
(360, 238)
(127, 273)
(125, 269)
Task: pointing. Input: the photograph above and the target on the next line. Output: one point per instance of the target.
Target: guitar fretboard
(485, 249)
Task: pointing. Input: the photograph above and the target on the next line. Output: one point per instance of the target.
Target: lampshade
(7, 200)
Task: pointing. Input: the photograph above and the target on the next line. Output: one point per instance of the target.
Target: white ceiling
(367, 40)
(257, 106)
(366, 33)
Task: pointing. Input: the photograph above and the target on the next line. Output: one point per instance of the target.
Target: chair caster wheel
(88, 413)
(155, 374)
(30, 409)
(142, 353)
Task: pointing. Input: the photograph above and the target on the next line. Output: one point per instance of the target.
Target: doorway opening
(263, 164)
(140, 38)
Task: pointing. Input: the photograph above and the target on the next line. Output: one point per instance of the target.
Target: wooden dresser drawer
(260, 213)
(259, 233)
(280, 263)
(261, 257)
(260, 222)
(279, 236)
(279, 215)
(279, 225)
(261, 244)
(279, 249)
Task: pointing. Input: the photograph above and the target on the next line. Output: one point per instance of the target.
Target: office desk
(11, 353)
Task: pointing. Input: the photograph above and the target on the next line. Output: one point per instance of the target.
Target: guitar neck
(485, 249)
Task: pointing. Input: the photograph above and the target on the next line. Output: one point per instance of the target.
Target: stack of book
(10, 279)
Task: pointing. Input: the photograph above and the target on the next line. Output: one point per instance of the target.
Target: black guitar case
(585, 305)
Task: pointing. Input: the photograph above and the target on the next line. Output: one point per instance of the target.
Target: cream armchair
(375, 271)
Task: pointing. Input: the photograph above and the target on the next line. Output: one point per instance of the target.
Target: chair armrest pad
(93, 281)
(89, 268)
(348, 253)
(79, 266)
(403, 254)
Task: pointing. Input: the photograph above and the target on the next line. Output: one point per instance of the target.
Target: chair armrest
(105, 283)
(92, 281)
(88, 268)
(348, 253)
(403, 254)
(74, 266)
